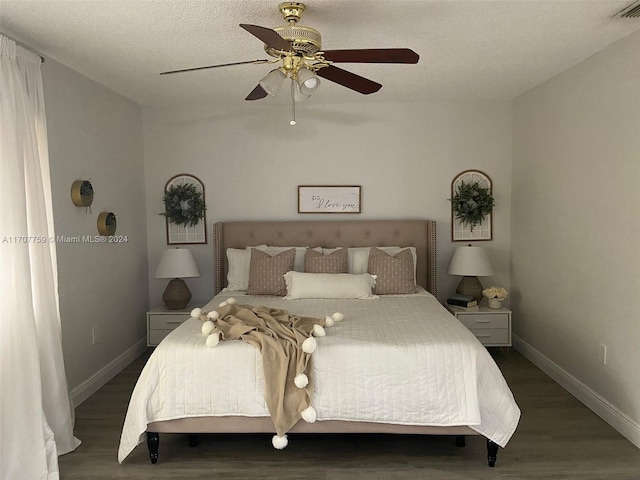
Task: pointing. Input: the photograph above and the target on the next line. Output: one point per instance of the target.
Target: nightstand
(492, 326)
(161, 322)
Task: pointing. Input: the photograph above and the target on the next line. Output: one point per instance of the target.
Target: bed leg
(492, 452)
(153, 442)
(461, 441)
(194, 441)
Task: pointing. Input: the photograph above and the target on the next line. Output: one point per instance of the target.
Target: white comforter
(395, 359)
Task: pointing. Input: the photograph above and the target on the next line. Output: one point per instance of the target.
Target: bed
(425, 372)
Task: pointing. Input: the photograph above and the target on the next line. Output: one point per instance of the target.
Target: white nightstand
(492, 326)
(162, 321)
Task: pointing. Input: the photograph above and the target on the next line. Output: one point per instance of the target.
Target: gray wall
(575, 230)
(403, 155)
(96, 134)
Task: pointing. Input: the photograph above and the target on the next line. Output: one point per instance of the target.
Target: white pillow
(238, 261)
(238, 273)
(298, 263)
(359, 259)
(329, 285)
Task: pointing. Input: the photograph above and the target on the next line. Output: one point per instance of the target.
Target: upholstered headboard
(420, 234)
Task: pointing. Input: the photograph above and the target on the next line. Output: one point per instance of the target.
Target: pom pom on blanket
(207, 327)
(213, 315)
(231, 301)
(328, 321)
(318, 331)
(279, 442)
(196, 312)
(338, 317)
(309, 345)
(213, 340)
(309, 414)
(301, 380)
(222, 304)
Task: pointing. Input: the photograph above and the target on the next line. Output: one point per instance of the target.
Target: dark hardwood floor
(558, 438)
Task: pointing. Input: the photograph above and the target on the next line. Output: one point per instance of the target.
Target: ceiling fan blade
(349, 80)
(373, 55)
(257, 93)
(257, 62)
(268, 36)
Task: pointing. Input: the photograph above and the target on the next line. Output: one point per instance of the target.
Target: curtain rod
(24, 46)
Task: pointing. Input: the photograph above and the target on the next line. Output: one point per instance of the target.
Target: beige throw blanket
(280, 337)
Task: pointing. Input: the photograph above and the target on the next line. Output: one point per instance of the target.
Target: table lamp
(471, 262)
(177, 263)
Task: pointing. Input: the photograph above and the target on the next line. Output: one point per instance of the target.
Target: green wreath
(472, 203)
(183, 205)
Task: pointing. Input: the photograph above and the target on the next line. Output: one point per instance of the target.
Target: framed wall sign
(472, 200)
(329, 199)
(188, 202)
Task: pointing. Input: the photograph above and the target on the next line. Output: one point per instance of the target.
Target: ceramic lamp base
(177, 295)
(470, 286)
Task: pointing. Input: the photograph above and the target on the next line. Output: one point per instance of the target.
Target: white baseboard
(106, 373)
(627, 427)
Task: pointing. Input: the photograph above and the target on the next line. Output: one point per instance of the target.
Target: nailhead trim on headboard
(337, 233)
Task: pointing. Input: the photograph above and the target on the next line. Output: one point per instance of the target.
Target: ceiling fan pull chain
(293, 103)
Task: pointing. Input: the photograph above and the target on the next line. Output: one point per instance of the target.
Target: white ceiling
(469, 49)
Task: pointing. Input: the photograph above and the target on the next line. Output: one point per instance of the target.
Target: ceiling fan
(298, 51)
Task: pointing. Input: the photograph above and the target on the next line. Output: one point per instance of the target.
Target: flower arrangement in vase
(495, 295)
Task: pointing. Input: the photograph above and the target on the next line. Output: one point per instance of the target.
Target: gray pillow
(394, 273)
(334, 262)
(266, 272)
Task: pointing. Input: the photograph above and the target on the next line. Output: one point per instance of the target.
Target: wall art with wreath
(185, 210)
(472, 205)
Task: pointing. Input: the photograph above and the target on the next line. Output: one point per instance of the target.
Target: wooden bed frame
(420, 234)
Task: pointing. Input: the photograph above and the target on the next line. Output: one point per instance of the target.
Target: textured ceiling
(469, 49)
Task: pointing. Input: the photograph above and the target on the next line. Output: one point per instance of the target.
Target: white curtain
(36, 416)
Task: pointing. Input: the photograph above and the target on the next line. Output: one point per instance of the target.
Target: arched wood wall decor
(186, 234)
(482, 231)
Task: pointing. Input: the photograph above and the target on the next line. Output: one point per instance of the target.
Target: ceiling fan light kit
(299, 50)
(307, 81)
(272, 82)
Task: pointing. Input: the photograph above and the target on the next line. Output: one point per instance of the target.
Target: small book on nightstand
(462, 301)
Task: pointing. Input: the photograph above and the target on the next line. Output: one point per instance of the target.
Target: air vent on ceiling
(630, 11)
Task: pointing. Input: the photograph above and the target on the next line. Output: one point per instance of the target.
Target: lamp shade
(307, 81)
(272, 82)
(470, 261)
(177, 263)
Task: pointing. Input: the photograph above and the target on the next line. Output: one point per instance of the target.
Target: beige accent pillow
(266, 272)
(394, 273)
(298, 264)
(358, 257)
(335, 262)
